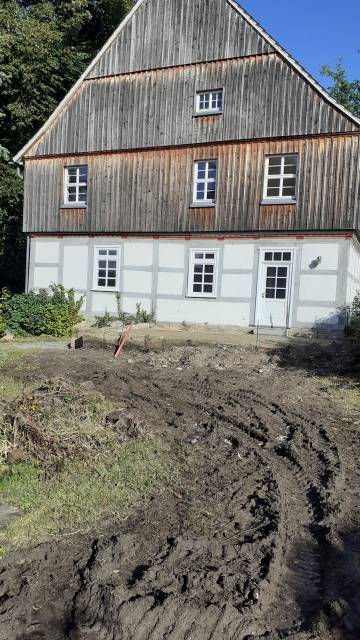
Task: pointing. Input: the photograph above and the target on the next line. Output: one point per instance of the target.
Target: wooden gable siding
(166, 33)
(264, 98)
(152, 191)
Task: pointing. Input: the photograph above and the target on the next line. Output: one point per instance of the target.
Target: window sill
(104, 290)
(201, 114)
(73, 205)
(199, 297)
(202, 205)
(279, 201)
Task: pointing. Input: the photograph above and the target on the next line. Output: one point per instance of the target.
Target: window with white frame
(281, 177)
(202, 273)
(205, 181)
(75, 185)
(106, 268)
(210, 101)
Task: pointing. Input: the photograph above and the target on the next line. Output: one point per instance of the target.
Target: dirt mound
(56, 420)
(247, 548)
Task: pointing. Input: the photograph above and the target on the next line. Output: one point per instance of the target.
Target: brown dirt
(262, 541)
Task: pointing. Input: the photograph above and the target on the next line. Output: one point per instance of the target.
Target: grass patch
(75, 465)
(82, 493)
(342, 391)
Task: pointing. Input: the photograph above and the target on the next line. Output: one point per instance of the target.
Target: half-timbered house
(197, 168)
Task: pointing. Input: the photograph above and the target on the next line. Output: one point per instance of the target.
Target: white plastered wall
(154, 272)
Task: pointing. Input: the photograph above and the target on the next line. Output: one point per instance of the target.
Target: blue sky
(315, 32)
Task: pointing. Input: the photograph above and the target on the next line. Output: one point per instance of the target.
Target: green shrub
(104, 321)
(353, 329)
(53, 312)
(4, 298)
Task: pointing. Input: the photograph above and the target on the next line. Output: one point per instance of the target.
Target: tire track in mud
(270, 482)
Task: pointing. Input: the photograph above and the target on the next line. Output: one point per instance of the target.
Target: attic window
(75, 185)
(209, 102)
(280, 183)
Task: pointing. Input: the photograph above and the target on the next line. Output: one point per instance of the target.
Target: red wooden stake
(123, 340)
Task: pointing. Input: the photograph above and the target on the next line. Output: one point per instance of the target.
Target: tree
(345, 91)
(45, 45)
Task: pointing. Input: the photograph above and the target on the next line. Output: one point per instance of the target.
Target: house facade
(197, 168)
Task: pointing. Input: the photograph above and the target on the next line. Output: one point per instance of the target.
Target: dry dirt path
(261, 541)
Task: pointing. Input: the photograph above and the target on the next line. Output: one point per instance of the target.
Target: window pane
(201, 174)
(198, 277)
(209, 278)
(101, 283)
(208, 288)
(112, 252)
(277, 256)
(281, 283)
(72, 197)
(268, 256)
(200, 194)
(210, 256)
(72, 171)
(209, 268)
(270, 282)
(201, 166)
(82, 197)
(270, 293)
(274, 170)
(112, 264)
(212, 165)
(281, 294)
(271, 272)
(102, 263)
(112, 274)
(199, 268)
(111, 283)
(83, 171)
(274, 160)
(289, 191)
(274, 182)
(199, 256)
(287, 256)
(197, 288)
(282, 272)
(72, 179)
(273, 192)
(102, 273)
(102, 252)
(289, 182)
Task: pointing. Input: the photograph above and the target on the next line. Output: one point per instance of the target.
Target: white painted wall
(236, 285)
(203, 311)
(45, 276)
(170, 283)
(239, 255)
(73, 258)
(329, 254)
(318, 287)
(75, 267)
(138, 254)
(172, 255)
(46, 251)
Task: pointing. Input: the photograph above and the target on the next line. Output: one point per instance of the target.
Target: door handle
(263, 295)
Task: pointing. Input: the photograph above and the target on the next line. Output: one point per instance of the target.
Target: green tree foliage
(44, 48)
(345, 91)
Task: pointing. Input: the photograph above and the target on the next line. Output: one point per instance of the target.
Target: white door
(274, 291)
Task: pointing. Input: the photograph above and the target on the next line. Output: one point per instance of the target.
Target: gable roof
(247, 18)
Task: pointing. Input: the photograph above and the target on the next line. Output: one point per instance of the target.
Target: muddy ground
(262, 542)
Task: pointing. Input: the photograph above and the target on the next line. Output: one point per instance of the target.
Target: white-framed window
(205, 174)
(281, 174)
(76, 184)
(210, 101)
(107, 268)
(203, 273)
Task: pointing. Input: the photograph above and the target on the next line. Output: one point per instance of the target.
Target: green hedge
(53, 312)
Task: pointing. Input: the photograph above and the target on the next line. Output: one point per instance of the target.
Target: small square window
(281, 177)
(210, 102)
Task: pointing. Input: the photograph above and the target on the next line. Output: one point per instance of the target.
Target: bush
(3, 298)
(353, 329)
(53, 312)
